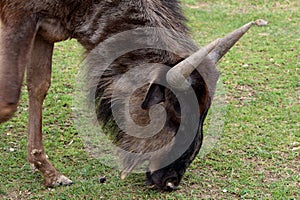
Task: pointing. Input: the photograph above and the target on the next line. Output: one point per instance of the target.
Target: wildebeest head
(161, 121)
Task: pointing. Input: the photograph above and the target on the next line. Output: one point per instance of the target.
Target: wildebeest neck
(101, 21)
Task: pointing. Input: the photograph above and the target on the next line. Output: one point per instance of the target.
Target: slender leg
(38, 83)
(16, 40)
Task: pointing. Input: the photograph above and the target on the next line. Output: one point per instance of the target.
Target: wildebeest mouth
(164, 182)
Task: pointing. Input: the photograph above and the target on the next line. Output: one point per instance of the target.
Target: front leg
(38, 83)
(16, 41)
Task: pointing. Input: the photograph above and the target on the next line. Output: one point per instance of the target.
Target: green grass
(258, 155)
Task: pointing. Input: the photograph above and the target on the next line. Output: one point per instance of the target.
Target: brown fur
(29, 30)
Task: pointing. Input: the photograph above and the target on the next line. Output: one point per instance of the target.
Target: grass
(258, 155)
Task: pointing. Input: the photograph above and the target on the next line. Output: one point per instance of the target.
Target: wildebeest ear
(155, 95)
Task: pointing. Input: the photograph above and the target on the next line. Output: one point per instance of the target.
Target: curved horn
(176, 76)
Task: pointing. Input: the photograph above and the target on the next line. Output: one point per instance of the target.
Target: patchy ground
(258, 155)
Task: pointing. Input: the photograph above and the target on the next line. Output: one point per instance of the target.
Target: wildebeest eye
(176, 106)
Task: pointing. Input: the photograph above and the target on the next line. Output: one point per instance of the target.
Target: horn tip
(261, 22)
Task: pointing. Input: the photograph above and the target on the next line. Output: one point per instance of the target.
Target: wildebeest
(29, 30)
